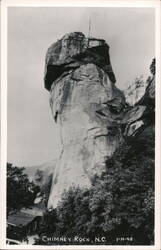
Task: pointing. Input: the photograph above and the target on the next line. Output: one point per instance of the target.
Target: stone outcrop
(135, 91)
(89, 109)
(143, 113)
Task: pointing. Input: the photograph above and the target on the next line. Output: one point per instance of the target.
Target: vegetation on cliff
(118, 206)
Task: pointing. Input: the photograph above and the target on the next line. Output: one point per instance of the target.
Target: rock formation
(142, 114)
(135, 91)
(88, 108)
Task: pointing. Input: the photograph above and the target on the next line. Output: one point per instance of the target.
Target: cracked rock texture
(135, 91)
(88, 108)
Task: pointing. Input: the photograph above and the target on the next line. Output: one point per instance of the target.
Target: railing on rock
(81, 41)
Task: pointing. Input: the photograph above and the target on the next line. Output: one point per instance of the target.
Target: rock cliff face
(142, 113)
(89, 109)
(135, 91)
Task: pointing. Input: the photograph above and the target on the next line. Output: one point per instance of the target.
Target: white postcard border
(87, 3)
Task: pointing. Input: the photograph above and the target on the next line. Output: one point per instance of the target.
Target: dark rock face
(89, 110)
(74, 50)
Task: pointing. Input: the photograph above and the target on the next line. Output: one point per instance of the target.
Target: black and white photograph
(80, 116)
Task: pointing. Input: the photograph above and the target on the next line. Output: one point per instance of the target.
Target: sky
(33, 137)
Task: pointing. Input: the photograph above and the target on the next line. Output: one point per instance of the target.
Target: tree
(152, 67)
(122, 200)
(120, 203)
(73, 212)
(20, 191)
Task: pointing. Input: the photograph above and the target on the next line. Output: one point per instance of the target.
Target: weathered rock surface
(135, 91)
(89, 109)
(143, 112)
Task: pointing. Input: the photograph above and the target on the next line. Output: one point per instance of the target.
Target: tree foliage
(152, 67)
(119, 204)
(20, 191)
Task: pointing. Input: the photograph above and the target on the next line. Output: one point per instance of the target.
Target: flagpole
(89, 30)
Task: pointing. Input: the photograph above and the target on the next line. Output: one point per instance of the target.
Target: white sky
(32, 136)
